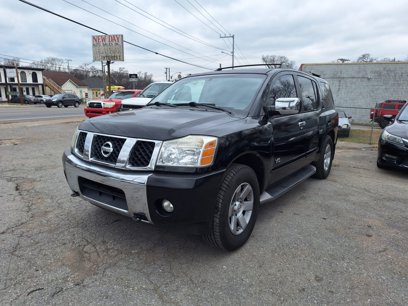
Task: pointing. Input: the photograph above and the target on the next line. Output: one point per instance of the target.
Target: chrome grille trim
(122, 161)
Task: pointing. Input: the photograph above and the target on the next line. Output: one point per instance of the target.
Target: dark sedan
(63, 99)
(27, 99)
(393, 143)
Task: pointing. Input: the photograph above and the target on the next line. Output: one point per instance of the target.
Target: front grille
(81, 142)
(95, 104)
(106, 148)
(141, 154)
(103, 193)
(118, 152)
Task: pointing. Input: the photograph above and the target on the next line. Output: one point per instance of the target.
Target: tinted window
(389, 106)
(281, 87)
(326, 95)
(308, 94)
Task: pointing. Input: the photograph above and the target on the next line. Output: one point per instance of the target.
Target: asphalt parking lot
(341, 241)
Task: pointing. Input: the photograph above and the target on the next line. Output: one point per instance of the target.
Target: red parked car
(111, 105)
(384, 112)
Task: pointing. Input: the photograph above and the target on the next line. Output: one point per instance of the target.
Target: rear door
(309, 113)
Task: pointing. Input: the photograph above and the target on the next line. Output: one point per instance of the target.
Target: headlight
(74, 138)
(391, 138)
(108, 104)
(190, 151)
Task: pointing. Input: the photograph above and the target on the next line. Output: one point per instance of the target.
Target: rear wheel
(324, 163)
(76, 104)
(236, 209)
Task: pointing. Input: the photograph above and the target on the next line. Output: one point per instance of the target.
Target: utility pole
(20, 93)
(68, 60)
(167, 73)
(109, 78)
(233, 46)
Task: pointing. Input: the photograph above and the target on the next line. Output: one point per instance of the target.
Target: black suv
(208, 150)
(63, 99)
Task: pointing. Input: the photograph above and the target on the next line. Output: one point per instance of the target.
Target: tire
(48, 106)
(76, 104)
(65, 106)
(59, 104)
(325, 161)
(236, 209)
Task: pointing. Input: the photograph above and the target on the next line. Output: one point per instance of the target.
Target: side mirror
(287, 106)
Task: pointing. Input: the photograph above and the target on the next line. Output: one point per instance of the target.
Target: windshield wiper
(157, 103)
(206, 105)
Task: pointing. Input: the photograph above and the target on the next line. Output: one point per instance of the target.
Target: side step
(286, 184)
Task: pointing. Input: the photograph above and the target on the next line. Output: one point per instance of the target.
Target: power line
(221, 26)
(125, 27)
(168, 26)
(101, 32)
(196, 17)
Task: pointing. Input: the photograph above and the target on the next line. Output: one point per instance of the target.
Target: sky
(308, 31)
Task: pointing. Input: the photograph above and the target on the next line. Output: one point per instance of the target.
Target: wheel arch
(253, 161)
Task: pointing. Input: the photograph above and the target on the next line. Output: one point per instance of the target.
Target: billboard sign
(107, 47)
(133, 77)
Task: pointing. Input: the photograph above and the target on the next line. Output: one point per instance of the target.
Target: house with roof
(95, 84)
(61, 81)
(28, 80)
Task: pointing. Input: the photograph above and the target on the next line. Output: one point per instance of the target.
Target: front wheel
(324, 163)
(59, 104)
(236, 209)
(76, 104)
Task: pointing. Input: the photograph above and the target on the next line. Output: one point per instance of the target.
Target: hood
(139, 101)
(163, 123)
(112, 100)
(398, 128)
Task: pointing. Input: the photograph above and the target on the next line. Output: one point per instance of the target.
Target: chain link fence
(363, 129)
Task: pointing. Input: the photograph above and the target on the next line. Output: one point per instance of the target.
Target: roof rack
(277, 65)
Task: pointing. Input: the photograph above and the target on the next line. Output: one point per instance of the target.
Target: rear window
(388, 106)
(326, 95)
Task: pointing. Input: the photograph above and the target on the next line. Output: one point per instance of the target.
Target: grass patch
(363, 136)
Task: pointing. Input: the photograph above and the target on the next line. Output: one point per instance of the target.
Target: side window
(308, 94)
(281, 87)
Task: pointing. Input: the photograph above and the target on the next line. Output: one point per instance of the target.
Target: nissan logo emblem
(107, 149)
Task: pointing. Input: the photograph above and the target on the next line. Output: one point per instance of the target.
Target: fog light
(167, 206)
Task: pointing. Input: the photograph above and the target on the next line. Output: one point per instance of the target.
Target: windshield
(234, 93)
(153, 90)
(121, 95)
(403, 115)
(57, 96)
(342, 115)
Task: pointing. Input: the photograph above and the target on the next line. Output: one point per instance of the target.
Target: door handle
(302, 124)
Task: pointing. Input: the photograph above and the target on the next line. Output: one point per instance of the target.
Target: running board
(286, 184)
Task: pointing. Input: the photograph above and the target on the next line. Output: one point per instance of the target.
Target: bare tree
(281, 60)
(366, 58)
(12, 62)
(50, 63)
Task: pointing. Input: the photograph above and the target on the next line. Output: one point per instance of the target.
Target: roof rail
(277, 65)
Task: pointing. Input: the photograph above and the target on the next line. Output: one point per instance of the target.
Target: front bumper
(139, 195)
(392, 155)
(94, 112)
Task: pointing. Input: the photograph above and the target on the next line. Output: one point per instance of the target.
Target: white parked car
(150, 92)
(344, 124)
